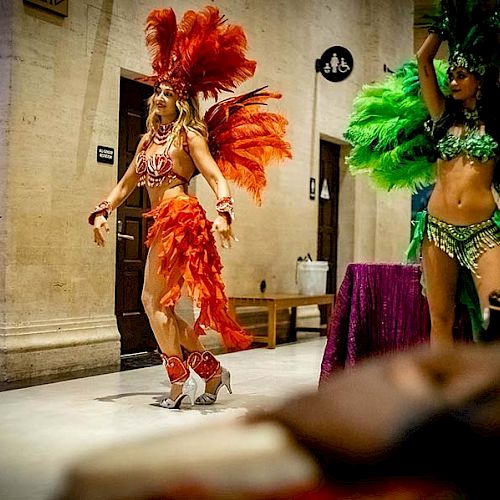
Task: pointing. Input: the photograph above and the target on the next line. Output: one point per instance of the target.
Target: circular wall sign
(335, 64)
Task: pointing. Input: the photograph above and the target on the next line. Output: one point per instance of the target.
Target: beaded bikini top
(473, 144)
(154, 169)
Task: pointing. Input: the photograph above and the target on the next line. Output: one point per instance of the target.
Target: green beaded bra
(474, 145)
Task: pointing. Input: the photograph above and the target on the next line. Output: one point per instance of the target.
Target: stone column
(58, 305)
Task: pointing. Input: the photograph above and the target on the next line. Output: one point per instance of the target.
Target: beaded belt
(464, 243)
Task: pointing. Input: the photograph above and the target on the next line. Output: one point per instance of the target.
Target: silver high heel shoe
(179, 373)
(208, 367)
(188, 389)
(209, 399)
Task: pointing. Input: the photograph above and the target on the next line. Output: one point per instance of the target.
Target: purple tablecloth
(379, 308)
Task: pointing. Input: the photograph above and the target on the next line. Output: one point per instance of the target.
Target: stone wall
(5, 98)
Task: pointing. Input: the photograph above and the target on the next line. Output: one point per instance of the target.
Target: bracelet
(225, 207)
(104, 209)
(440, 34)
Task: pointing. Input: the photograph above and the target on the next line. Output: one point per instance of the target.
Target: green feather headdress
(387, 130)
(470, 27)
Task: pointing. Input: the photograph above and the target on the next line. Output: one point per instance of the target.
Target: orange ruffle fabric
(189, 258)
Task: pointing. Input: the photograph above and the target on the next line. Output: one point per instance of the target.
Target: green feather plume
(386, 130)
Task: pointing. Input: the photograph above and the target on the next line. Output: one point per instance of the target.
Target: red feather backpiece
(202, 53)
(244, 139)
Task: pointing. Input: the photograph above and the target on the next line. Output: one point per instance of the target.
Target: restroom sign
(335, 64)
(105, 154)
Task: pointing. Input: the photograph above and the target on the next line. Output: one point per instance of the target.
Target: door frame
(333, 181)
(135, 332)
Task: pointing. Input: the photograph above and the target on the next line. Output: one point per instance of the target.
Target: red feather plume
(244, 139)
(161, 32)
(211, 53)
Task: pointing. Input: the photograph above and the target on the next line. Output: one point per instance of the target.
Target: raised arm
(431, 93)
(115, 198)
(202, 158)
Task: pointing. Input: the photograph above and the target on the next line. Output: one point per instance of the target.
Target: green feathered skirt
(463, 243)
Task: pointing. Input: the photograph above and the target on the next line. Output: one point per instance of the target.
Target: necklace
(471, 116)
(162, 133)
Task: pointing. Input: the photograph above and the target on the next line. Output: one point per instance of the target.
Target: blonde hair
(188, 119)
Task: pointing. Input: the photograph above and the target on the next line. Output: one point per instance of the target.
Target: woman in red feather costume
(236, 139)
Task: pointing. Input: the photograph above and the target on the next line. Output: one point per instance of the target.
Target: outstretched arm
(202, 158)
(431, 93)
(116, 197)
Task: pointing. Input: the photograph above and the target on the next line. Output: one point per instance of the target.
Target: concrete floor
(46, 427)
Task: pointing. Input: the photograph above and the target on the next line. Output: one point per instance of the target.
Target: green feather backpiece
(387, 134)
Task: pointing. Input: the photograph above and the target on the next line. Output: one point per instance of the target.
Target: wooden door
(328, 191)
(133, 324)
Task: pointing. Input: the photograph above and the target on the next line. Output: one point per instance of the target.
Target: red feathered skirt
(189, 258)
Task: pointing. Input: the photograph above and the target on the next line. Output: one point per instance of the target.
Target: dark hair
(488, 107)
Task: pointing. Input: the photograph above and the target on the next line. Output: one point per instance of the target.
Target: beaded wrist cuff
(104, 208)
(439, 32)
(441, 27)
(225, 207)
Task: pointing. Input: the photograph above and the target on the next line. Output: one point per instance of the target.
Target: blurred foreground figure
(412, 425)
(419, 415)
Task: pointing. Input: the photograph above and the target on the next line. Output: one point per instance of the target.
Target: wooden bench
(273, 302)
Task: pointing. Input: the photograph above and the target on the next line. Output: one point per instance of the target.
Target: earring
(479, 94)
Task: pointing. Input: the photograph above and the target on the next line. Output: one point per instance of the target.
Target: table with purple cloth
(379, 308)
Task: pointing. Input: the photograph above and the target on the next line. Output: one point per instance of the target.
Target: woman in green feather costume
(458, 236)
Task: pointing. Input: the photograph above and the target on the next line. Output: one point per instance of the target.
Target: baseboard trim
(54, 334)
(58, 347)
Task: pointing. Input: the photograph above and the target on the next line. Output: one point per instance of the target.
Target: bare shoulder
(196, 141)
(144, 141)
(194, 136)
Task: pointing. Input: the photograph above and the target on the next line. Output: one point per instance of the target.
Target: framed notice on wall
(59, 7)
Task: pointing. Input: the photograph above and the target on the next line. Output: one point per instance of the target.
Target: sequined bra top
(155, 169)
(474, 144)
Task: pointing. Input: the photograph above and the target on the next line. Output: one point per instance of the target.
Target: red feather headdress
(202, 53)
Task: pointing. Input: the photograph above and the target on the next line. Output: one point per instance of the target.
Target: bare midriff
(182, 164)
(462, 194)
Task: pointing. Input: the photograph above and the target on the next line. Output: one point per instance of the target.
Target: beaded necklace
(162, 133)
(155, 168)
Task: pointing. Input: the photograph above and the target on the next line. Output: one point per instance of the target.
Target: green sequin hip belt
(464, 243)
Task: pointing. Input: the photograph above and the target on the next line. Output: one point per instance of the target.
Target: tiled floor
(43, 428)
